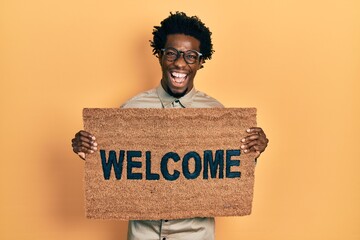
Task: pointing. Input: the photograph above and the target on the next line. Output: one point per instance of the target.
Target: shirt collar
(166, 99)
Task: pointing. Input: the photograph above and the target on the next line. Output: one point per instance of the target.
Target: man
(182, 45)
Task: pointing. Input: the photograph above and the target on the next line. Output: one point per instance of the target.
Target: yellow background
(297, 61)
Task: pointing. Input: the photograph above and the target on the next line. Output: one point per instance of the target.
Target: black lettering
(232, 162)
(133, 164)
(185, 165)
(164, 168)
(112, 161)
(214, 164)
(149, 174)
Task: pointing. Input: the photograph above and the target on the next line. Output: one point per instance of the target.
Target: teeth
(178, 75)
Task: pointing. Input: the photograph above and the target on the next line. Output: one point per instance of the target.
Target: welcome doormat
(154, 164)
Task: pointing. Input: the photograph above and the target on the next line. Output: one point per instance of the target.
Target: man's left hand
(255, 141)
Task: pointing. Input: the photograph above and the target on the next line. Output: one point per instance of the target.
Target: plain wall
(297, 61)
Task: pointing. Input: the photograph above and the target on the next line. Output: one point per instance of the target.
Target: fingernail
(94, 148)
(248, 130)
(243, 140)
(93, 138)
(82, 155)
(243, 146)
(245, 151)
(91, 151)
(95, 144)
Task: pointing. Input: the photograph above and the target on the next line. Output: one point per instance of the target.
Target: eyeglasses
(190, 56)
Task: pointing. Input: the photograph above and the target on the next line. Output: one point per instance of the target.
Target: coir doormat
(154, 164)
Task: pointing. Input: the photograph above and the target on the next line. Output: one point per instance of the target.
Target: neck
(175, 95)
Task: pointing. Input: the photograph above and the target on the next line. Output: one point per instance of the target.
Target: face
(178, 76)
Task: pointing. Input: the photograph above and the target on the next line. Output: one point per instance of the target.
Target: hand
(256, 141)
(84, 143)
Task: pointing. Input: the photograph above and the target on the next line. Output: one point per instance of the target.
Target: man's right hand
(84, 143)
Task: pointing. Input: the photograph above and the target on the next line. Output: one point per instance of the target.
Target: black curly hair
(180, 23)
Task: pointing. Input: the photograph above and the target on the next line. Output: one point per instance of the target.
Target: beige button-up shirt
(179, 229)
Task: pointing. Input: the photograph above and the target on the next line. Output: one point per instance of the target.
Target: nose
(180, 61)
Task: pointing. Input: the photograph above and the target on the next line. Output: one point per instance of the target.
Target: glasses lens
(191, 56)
(171, 54)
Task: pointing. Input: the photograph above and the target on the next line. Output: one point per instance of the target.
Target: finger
(83, 142)
(90, 142)
(253, 146)
(88, 135)
(86, 145)
(247, 147)
(256, 130)
(254, 133)
(82, 155)
(248, 150)
(86, 150)
(249, 138)
(261, 140)
(257, 147)
(85, 133)
(79, 140)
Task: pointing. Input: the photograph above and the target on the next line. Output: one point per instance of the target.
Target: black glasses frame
(178, 55)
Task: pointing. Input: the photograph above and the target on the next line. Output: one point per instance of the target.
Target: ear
(159, 56)
(201, 62)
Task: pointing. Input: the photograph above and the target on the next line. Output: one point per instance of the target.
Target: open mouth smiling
(178, 78)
